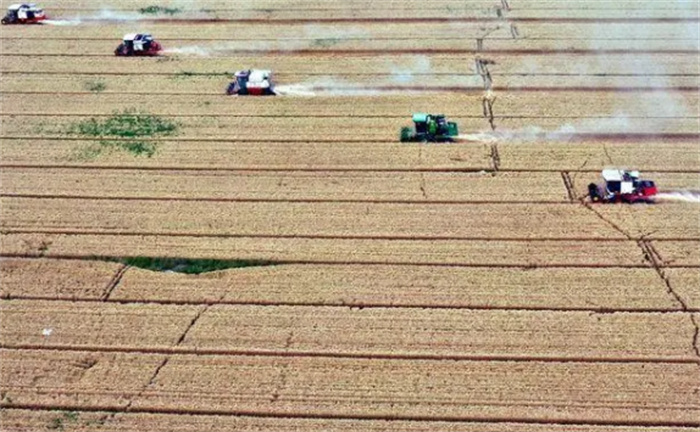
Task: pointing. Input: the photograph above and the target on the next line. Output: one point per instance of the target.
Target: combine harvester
(256, 82)
(138, 44)
(430, 128)
(622, 186)
(24, 13)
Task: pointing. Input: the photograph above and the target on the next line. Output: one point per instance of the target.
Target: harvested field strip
(15, 420)
(532, 253)
(342, 332)
(557, 289)
(655, 394)
(623, 19)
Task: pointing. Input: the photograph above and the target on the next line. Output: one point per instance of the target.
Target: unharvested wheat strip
(290, 36)
(332, 129)
(80, 378)
(678, 253)
(407, 286)
(104, 324)
(517, 153)
(215, 85)
(351, 285)
(453, 104)
(444, 332)
(684, 283)
(342, 331)
(535, 391)
(594, 44)
(575, 129)
(658, 154)
(609, 104)
(305, 46)
(485, 253)
(263, 185)
(606, 65)
(53, 278)
(222, 154)
(403, 66)
(385, 130)
(442, 5)
(270, 219)
(666, 182)
(674, 220)
(23, 420)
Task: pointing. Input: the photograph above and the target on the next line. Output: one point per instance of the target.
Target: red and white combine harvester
(255, 82)
(24, 13)
(138, 44)
(622, 186)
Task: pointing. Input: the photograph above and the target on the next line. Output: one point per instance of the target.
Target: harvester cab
(24, 13)
(138, 44)
(256, 82)
(429, 128)
(622, 186)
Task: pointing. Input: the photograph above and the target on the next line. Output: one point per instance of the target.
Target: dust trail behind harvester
(679, 196)
(73, 22)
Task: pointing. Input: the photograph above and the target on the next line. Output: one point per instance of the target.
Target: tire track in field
(178, 350)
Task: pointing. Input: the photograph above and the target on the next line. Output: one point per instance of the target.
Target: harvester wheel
(5, 21)
(406, 134)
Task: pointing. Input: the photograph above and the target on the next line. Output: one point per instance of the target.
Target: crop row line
(399, 238)
(185, 351)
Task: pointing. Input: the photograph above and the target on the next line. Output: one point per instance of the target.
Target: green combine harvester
(430, 128)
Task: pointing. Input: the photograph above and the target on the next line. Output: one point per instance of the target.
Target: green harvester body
(429, 128)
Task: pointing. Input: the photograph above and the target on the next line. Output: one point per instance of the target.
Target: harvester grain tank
(622, 186)
(138, 44)
(257, 82)
(24, 13)
(429, 128)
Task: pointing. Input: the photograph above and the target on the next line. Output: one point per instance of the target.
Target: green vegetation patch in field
(188, 265)
(122, 131)
(95, 86)
(155, 10)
